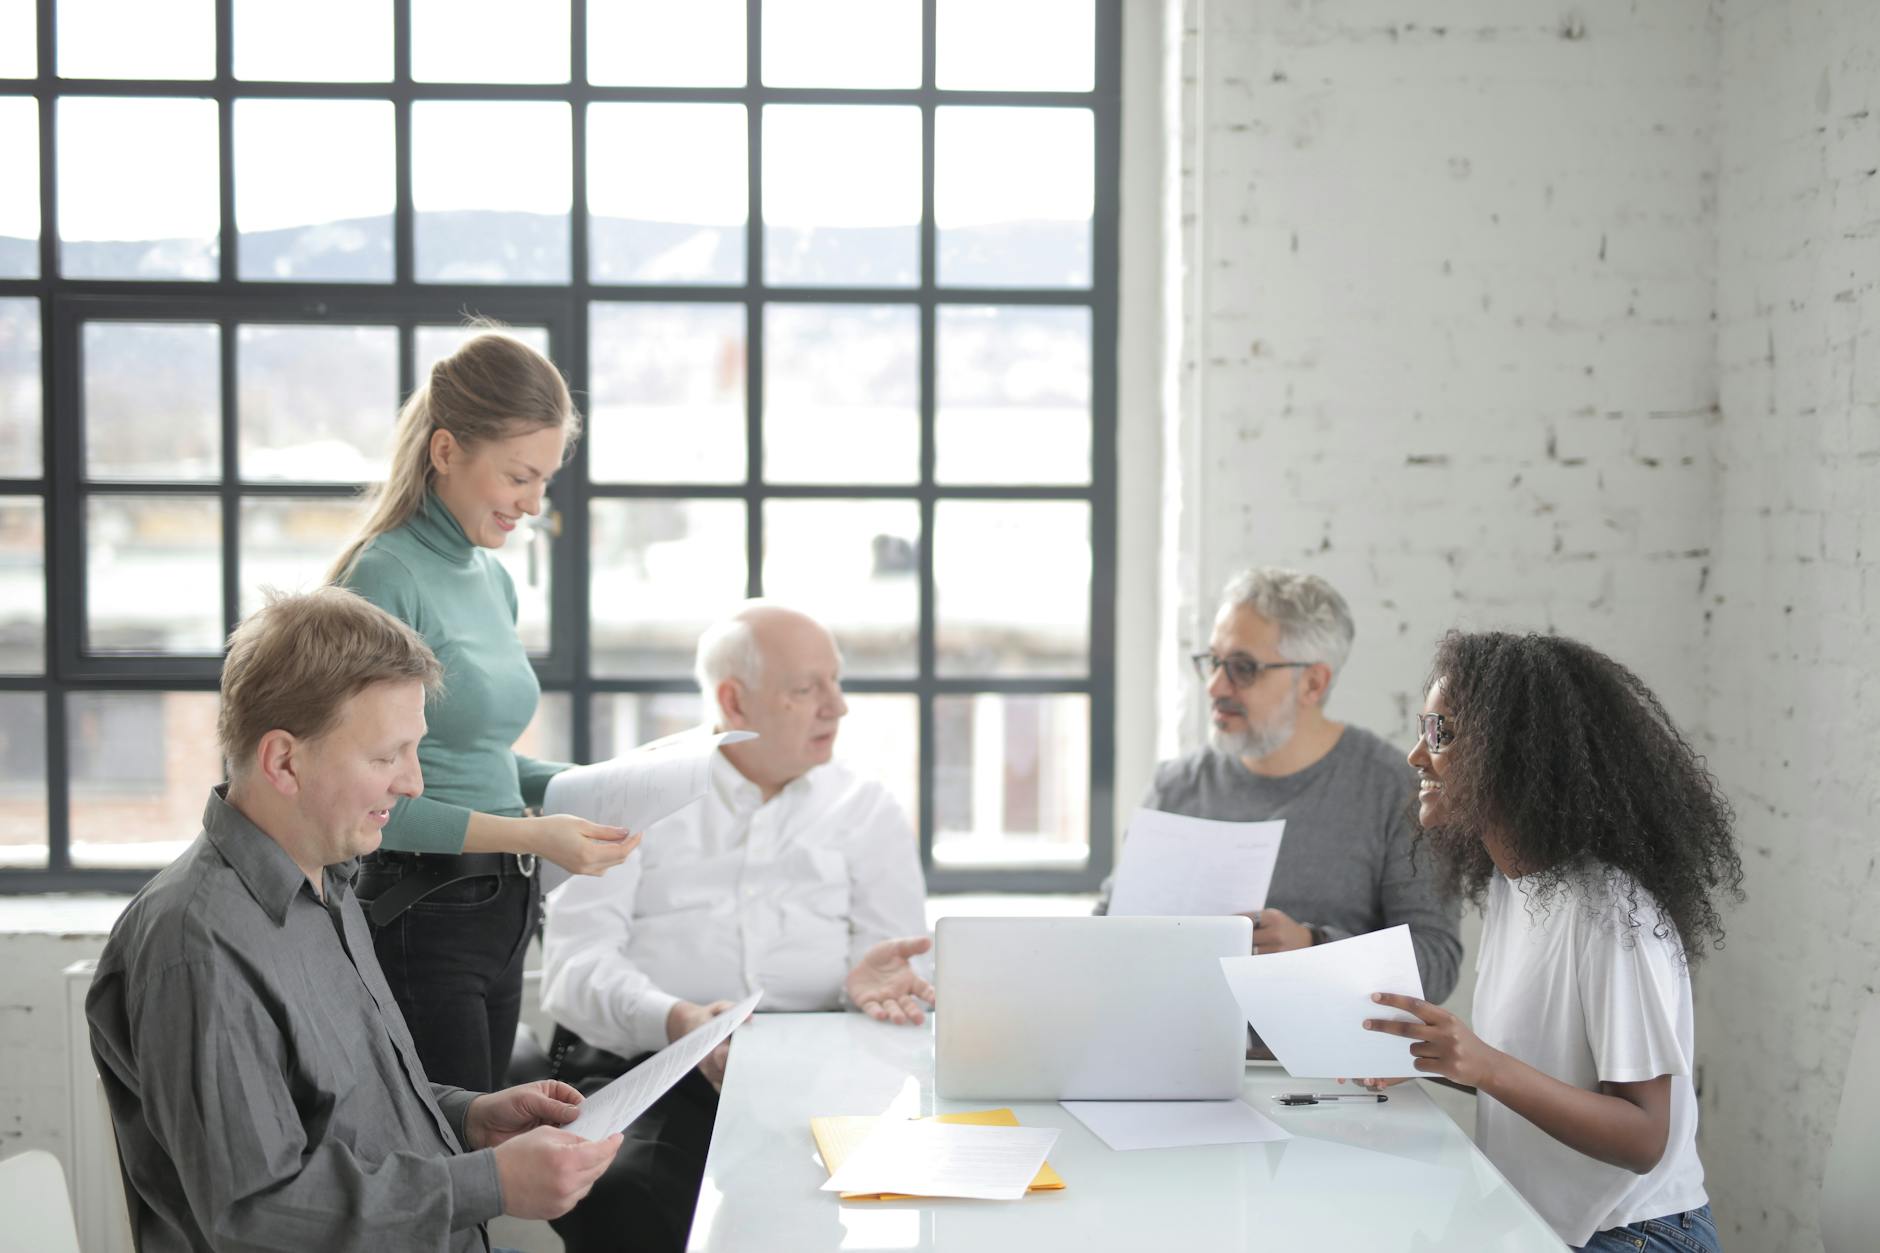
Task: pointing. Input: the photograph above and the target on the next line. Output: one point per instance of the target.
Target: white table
(1399, 1175)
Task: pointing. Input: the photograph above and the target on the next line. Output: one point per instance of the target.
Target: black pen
(1326, 1098)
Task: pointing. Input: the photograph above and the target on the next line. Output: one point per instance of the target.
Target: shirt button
(749, 892)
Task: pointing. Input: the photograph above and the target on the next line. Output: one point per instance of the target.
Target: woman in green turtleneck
(451, 894)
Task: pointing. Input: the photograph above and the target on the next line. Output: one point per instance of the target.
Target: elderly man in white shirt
(791, 875)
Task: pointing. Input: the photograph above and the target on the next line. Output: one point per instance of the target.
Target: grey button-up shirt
(265, 1090)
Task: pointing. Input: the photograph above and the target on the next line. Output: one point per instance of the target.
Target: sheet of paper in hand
(1309, 1005)
(1176, 865)
(626, 1098)
(642, 786)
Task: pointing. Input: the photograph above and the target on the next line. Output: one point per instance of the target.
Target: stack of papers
(1175, 865)
(1174, 1124)
(981, 1153)
(1309, 1005)
(615, 1106)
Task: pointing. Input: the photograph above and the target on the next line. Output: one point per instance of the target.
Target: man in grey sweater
(1344, 864)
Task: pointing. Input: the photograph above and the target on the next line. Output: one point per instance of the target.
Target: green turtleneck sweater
(456, 595)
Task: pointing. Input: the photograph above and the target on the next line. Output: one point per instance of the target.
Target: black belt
(425, 873)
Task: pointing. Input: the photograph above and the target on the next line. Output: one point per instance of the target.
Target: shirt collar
(741, 796)
(436, 527)
(262, 865)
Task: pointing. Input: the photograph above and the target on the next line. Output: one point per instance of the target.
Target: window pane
(1012, 781)
(19, 39)
(1000, 616)
(841, 393)
(1014, 395)
(21, 440)
(661, 571)
(842, 43)
(289, 543)
(623, 720)
(668, 192)
(880, 740)
(351, 42)
(842, 195)
(141, 767)
(316, 403)
(314, 190)
(19, 194)
(855, 565)
(667, 398)
(656, 43)
(526, 556)
(550, 734)
(486, 221)
(22, 779)
(136, 38)
(489, 41)
(434, 343)
(153, 400)
(22, 585)
(994, 45)
(153, 574)
(1013, 191)
(138, 193)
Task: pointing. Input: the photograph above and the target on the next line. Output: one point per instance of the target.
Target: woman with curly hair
(1555, 791)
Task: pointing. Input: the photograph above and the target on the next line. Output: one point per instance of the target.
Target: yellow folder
(839, 1135)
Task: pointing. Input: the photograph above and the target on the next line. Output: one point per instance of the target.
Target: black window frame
(66, 304)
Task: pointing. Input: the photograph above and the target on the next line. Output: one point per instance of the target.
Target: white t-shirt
(1575, 991)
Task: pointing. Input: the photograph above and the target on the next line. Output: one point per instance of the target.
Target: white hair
(727, 650)
(1313, 620)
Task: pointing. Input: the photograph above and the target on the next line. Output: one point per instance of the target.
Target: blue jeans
(1689, 1232)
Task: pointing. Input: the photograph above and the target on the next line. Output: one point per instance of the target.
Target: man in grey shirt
(1345, 865)
(265, 1091)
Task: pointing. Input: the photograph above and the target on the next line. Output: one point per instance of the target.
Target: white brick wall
(1554, 316)
(1793, 681)
(1450, 297)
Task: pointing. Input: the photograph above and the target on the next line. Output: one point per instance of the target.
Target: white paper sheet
(639, 787)
(1194, 866)
(1309, 1005)
(1127, 1125)
(631, 1095)
(945, 1159)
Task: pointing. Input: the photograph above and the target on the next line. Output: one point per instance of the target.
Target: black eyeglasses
(1434, 731)
(1241, 669)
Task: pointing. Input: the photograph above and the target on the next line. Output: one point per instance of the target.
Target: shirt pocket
(824, 877)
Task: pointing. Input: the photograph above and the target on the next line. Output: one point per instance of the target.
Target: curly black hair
(1568, 756)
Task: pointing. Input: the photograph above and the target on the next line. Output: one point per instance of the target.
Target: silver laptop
(1092, 1009)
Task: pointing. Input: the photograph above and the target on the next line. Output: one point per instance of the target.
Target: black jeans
(454, 961)
(644, 1202)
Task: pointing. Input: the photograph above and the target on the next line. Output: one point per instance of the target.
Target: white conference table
(1395, 1176)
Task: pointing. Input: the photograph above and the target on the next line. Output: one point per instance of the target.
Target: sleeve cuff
(422, 825)
(647, 1022)
(455, 1104)
(476, 1194)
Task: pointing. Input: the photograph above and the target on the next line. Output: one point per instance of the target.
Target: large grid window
(834, 282)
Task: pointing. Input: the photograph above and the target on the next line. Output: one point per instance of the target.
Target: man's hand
(886, 987)
(1444, 1044)
(683, 1018)
(498, 1117)
(543, 1172)
(1274, 931)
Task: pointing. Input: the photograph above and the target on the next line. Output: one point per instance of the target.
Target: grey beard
(1256, 741)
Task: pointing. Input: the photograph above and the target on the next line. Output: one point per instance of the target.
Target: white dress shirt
(730, 895)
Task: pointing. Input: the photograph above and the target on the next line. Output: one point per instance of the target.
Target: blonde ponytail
(493, 387)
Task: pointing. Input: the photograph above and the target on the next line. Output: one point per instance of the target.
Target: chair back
(1850, 1209)
(37, 1207)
